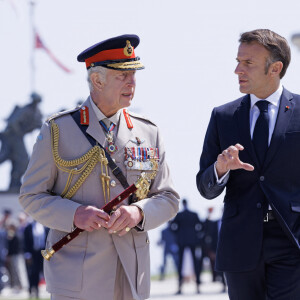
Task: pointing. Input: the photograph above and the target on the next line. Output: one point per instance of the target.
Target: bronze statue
(21, 121)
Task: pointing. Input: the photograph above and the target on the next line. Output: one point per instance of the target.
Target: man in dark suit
(34, 241)
(252, 147)
(210, 241)
(189, 234)
(169, 243)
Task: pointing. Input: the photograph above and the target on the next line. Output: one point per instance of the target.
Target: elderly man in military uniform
(87, 156)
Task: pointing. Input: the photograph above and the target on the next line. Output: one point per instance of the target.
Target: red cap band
(114, 54)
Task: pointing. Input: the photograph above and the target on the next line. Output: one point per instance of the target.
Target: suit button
(210, 184)
(258, 205)
(262, 178)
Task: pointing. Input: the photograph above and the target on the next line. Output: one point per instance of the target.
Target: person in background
(3, 254)
(189, 234)
(4, 273)
(13, 255)
(170, 248)
(210, 241)
(6, 217)
(22, 270)
(34, 242)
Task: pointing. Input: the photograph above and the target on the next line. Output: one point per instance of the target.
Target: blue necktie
(261, 131)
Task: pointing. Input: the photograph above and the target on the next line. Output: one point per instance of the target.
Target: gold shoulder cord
(89, 159)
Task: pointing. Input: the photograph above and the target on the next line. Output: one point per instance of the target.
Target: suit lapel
(94, 129)
(283, 118)
(243, 124)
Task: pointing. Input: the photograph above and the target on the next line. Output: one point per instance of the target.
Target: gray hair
(101, 72)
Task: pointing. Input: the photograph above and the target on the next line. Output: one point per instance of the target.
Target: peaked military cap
(115, 53)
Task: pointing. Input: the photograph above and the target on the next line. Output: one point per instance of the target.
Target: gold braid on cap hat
(89, 159)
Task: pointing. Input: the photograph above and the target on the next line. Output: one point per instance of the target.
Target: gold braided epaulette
(89, 161)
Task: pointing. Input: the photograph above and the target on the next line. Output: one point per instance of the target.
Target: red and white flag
(40, 45)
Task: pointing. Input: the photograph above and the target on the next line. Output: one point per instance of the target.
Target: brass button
(113, 183)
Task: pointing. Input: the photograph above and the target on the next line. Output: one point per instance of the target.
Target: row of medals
(147, 161)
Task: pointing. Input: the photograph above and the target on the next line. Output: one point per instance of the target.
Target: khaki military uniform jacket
(86, 267)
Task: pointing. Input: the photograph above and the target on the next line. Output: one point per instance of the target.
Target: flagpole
(32, 45)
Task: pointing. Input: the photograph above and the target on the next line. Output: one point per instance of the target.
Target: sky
(188, 47)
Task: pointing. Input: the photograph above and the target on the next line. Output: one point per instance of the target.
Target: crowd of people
(186, 236)
(21, 262)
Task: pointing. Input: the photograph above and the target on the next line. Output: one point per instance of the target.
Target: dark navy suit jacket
(277, 180)
(188, 228)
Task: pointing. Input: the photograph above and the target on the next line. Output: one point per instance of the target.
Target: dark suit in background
(210, 241)
(258, 252)
(189, 234)
(169, 242)
(34, 241)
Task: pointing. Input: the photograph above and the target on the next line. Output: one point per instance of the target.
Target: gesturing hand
(229, 160)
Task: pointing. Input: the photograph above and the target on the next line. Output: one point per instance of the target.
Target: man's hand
(123, 219)
(90, 218)
(229, 160)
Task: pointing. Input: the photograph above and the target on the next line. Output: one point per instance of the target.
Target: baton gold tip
(48, 253)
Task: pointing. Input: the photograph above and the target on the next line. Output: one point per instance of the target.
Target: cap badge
(128, 50)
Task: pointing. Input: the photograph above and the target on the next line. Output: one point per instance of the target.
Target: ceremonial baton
(141, 188)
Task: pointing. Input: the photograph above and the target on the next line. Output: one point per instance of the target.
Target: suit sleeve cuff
(223, 180)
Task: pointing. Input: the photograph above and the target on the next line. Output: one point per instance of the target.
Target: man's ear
(276, 68)
(96, 81)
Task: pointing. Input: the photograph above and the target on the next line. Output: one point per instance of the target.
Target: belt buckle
(266, 218)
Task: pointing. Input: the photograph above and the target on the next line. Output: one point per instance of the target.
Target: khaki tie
(107, 122)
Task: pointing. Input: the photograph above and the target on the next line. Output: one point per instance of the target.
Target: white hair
(101, 71)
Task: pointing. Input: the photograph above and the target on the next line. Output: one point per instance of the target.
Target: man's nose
(131, 80)
(238, 69)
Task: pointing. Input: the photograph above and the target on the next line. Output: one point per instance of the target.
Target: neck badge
(111, 148)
